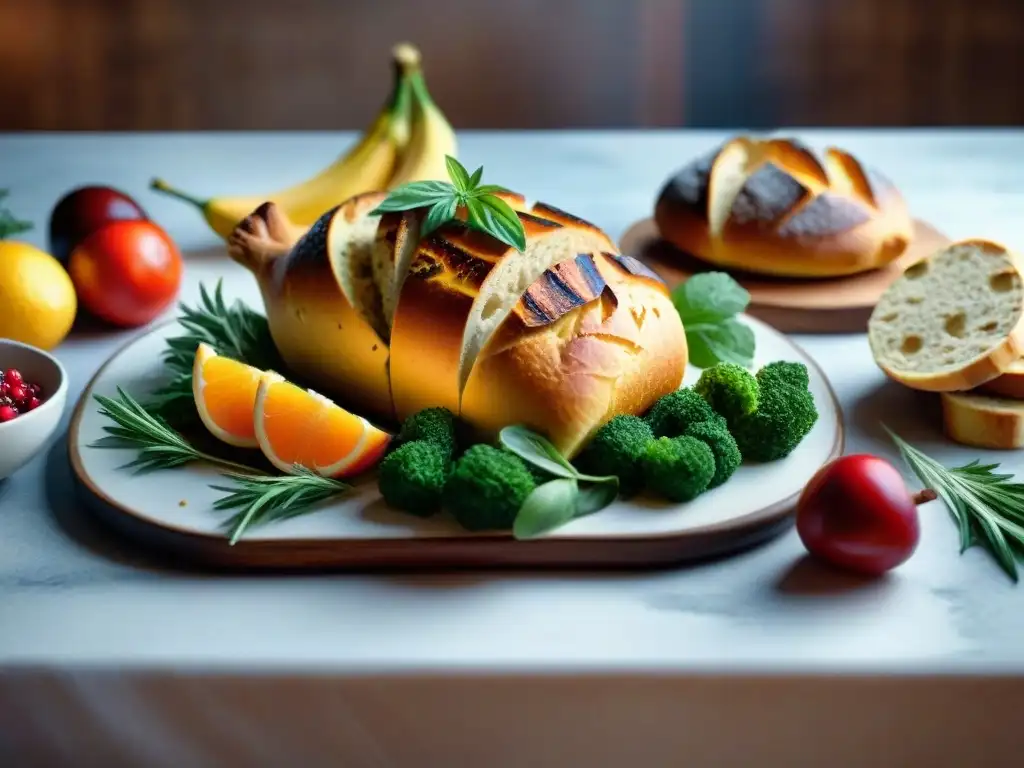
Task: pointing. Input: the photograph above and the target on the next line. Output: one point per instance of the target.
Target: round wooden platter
(833, 305)
(172, 510)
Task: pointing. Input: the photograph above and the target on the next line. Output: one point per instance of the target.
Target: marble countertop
(71, 593)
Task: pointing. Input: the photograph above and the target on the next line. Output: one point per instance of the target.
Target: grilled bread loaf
(982, 421)
(953, 321)
(774, 206)
(561, 336)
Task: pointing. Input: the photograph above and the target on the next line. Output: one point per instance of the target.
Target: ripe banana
(367, 166)
(431, 136)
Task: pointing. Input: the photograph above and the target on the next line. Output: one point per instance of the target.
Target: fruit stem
(406, 56)
(162, 186)
(924, 496)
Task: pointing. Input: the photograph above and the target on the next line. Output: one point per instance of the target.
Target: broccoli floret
(432, 425)
(412, 477)
(486, 488)
(729, 389)
(616, 449)
(722, 444)
(678, 468)
(785, 372)
(674, 412)
(784, 415)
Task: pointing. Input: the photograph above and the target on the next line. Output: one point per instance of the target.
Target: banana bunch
(406, 142)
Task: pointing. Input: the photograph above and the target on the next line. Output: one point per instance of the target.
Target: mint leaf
(415, 194)
(458, 174)
(728, 341)
(487, 189)
(496, 217)
(593, 497)
(709, 297)
(440, 213)
(475, 178)
(548, 506)
(537, 450)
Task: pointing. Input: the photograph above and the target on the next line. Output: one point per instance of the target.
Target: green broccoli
(722, 444)
(412, 477)
(486, 488)
(792, 374)
(674, 412)
(678, 468)
(784, 415)
(616, 449)
(432, 425)
(728, 388)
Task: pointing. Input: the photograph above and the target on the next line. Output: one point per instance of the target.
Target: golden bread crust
(983, 422)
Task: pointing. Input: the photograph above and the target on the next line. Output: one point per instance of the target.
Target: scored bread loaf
(775, 206)
(594, 337)
(323, 311)
(953, 321)
(982, 421)
(459, 287)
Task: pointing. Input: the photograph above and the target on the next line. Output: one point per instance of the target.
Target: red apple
(856, 513)
(84, 210)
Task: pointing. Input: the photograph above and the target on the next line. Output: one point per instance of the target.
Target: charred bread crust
(784, 209)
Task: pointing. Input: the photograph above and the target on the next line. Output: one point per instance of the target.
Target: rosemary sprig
(255, 496)
(260, 499)
(235, 331)
(987, 507)
(9, 223)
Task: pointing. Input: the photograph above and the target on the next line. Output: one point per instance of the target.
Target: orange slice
(225, 394)
(299, 426)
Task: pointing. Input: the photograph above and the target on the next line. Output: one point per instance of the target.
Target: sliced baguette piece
(953, 321)
(982, 421)
(1010, 384)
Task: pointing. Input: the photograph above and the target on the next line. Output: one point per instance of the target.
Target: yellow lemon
(37, 298)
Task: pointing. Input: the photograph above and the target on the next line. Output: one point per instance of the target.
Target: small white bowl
(23, 437)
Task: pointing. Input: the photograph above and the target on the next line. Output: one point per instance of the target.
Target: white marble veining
(70, 593)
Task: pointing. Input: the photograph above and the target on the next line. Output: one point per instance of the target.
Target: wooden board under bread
(832, 305)
(171, 510)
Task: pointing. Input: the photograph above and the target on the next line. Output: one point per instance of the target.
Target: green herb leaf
(9, 223)
(729, 341)
(593, 497)
(710, 297)
(458, 174)
(415, 194)
(537, 450)
(474, 180)
(488, 189)
(497, 218)
(987, 507)
(549, 506)
(440, 212)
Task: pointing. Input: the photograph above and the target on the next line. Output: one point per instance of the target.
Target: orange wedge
(299, 426)
(225, 394)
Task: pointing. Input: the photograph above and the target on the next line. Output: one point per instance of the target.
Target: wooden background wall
(323, 64)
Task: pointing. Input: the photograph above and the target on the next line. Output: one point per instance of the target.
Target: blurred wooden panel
(323, 64)
(306, 64)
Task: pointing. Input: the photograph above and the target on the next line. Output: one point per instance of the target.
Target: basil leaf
(548, 506)
(488, 189)
(475, 178)
(440, 213)
(709, 297)
(593, 497)
(496, 217)
(535, 449)
(729, 341)
(415, 194)
(458, 174)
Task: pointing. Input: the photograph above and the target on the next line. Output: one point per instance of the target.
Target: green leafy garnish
(256, 497)
(707, 304)
(987, 507)
(485, 211)
(554, 503)
(235, 331)
(9, 223)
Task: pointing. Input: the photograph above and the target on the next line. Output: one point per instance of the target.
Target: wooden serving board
(171, 510)
(832, 305)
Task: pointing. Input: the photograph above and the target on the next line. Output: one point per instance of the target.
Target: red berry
(13, 375)
(36, 389)
(7, 413)
(33, 403)
(17, 393)
(5, 388)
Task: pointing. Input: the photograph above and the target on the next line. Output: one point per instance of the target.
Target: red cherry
(856, 513)
(33, 403)
(7, 413)
(13, 376)
(17, 393)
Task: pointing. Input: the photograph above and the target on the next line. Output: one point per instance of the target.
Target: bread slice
(1010, 384)
(982, 421)
(953, 321)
